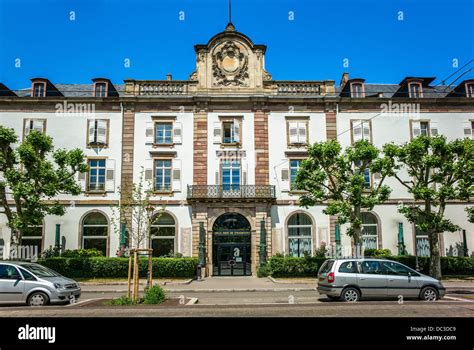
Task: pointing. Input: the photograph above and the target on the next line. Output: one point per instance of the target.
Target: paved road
(263, 304)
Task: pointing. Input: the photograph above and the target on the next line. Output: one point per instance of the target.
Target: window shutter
(302, 132)
(91, 130)
(110, 175)
(285, 176)
(217, 132)
(415, 129)
(244, 173)
(38, 125)
(237, 130)
(467, 129)
(102, 132)
(81, 177)
(27, 128)
(217, 178)
(366, 130)
(149, 169)
(356, 130)
(434, 129)
(176, 175)
(377, 177)
(177, 132)
(293, 132)
(149, 133)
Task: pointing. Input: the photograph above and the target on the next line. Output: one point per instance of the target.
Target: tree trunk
(435, 259)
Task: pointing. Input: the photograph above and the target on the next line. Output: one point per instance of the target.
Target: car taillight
(331, 277)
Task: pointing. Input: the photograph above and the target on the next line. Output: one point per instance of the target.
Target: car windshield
(40, 271)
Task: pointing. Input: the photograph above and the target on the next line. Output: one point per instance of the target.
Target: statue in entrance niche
(230, 66)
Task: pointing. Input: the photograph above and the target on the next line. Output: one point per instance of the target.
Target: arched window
(33, 237)
(300, 235)
(370, 234)
(163, 235)
(95, 232)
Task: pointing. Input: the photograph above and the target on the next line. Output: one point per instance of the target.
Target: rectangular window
(367, 176)
(470, 90)
(100, 90)
(96, 175)
(230, 175)
(297, 133)
(414, 90)
(164, 133)
(425, 128)
(34, 124)
(361, 130)
(33, 237)
(39, 90)
(421, 242)
(163, 169)
(356, 90)
(294, 166)
(228, 135)
(98, 132)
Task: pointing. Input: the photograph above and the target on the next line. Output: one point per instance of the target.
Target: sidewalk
(244, 284)
(215, 284)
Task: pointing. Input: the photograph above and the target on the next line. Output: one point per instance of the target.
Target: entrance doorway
(231, 247)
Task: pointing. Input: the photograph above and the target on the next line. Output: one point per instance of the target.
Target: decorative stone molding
(230, 65)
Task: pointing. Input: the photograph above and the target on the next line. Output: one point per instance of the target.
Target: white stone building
(221, 150)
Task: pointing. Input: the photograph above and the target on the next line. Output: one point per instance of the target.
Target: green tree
(470, 214)
(337, 177)
(438, 172)
(32, 173)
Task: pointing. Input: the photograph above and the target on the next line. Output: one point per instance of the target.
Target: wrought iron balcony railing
(229, 192)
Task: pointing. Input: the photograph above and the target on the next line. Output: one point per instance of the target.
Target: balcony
(250, 193)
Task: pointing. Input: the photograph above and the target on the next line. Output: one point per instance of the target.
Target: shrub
(82, 253)
(104, 267)
(263, 271)
(154, 295)
(287, 266)
(377, 252)
(123, 300)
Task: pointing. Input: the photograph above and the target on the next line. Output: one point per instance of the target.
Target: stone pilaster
(200, 148)
(128, 137)
(262, 175)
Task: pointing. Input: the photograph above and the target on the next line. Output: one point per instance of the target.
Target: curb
(289, 282)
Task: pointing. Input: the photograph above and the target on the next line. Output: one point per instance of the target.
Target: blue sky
(312, 46)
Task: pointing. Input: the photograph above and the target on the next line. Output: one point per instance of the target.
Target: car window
(41, 271)
(327, 266)
(348, 267)
(370, 267)
(393, 268)
(8, 272)
(28, 276)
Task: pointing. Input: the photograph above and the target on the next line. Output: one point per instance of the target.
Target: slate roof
(72, 90)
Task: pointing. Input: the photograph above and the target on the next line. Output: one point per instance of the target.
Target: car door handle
(390, 279)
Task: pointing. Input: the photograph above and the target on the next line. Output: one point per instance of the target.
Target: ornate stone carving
(230, 66)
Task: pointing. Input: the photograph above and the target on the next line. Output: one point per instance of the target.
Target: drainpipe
(263, 243)
(338, 240)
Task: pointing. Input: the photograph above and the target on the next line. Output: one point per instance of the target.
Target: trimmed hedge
(103, 267)
(285, 266)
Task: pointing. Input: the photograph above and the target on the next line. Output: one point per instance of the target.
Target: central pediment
(230, 61)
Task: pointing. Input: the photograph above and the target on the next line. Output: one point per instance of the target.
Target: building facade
(222, 150)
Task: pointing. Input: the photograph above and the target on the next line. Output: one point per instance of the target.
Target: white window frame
(164, 170)
(152, 237)
(310, 236)
(376, 225)
(106, 238)
(97, 175)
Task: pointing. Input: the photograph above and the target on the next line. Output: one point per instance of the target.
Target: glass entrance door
(231, 253)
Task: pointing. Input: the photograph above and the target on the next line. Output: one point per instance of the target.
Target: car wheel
(350, 295)
(38, 299)
(332, 297)
(429, 294)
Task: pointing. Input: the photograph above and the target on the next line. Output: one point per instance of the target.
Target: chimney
(169, 76)
(344, 80)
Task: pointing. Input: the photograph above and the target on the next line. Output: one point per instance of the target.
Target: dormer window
(470, 90)
(39, 89)
(415, 90)
(357, 90)
(100, 89)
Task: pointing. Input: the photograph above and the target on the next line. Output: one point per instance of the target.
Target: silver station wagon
(353, 279)
(34, 284)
